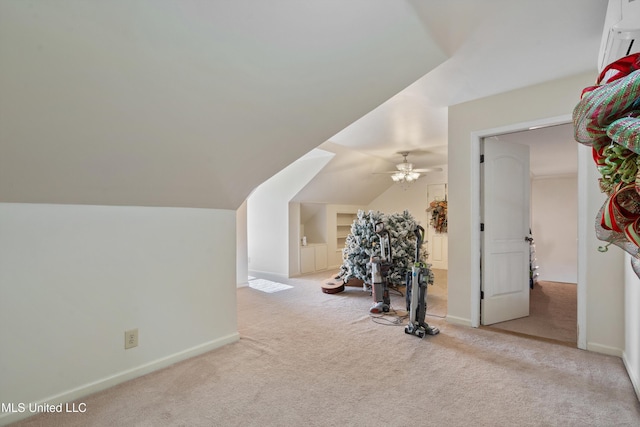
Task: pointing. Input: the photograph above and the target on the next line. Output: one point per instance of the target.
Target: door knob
(529, 239)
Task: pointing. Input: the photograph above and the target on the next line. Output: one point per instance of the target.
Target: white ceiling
(494, 46)
(552, 150)
(190, 103)
(159, 103)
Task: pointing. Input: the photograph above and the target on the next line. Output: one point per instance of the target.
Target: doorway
(477, 138)
(553, 271)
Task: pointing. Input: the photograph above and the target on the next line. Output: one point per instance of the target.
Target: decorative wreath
(607, 118)
(438, 221)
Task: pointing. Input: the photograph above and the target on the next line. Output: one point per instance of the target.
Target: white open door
(505, 250)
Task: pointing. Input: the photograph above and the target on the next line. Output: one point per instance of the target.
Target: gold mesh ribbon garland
(438, 221)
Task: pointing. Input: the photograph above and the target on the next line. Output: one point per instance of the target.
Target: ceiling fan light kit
(405, 176)
(406, 172)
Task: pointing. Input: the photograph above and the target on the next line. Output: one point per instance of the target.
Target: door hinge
(481, 158)
(482, 226)
(481, 294)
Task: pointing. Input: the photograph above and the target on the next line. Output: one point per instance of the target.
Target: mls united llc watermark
(42, 407)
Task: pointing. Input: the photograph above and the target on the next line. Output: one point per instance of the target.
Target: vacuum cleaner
(380, 266)
(416, 294)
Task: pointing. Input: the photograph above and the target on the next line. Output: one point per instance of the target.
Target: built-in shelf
(344, 221)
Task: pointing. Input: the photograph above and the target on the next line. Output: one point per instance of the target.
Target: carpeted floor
(552, 314)
(552, 311)
(313, 359)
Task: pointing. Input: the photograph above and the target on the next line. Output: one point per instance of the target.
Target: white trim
(455, 320)
(605, 349)
(124, 376)
(269, 275)
(633, 376)
(556, 176)
(476, 139)
(476, 142)
(585, 225)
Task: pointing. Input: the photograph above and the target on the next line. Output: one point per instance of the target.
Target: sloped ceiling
(493, 46)
(188, 103)
(195, 103)
(349, 178)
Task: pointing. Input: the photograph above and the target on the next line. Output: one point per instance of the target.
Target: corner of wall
(632, 371)
(455, 320)
(121, 377)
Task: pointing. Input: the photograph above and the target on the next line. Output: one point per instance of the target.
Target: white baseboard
(102, 384)
(458, 320)
(604, 349)
(633, 375)
(268, 275)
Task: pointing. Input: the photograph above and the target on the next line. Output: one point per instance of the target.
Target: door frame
(476, 143)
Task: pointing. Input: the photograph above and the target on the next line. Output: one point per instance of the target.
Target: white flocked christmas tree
(363, 243)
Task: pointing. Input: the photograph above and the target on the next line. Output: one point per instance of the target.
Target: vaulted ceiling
(195, 103)
(493, 47)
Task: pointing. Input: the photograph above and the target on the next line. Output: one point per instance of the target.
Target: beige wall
(413, 198)
(631, 354)
(242, 253)
(602, 274)
(273, 224)
(74, 278)
(554, 222)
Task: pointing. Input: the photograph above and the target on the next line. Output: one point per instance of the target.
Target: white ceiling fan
(405, 171)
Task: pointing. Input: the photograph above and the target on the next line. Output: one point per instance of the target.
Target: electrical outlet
(131, 338)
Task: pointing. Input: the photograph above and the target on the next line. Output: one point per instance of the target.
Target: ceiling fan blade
(425, 170)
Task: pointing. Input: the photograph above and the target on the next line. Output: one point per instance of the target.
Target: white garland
(363, 243)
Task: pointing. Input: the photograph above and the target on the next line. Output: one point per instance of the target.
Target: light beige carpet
(552, 314)
(437, 294)
(306, 358)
